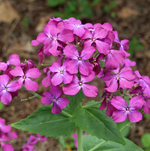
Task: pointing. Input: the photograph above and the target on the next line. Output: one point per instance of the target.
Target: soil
(21, 21)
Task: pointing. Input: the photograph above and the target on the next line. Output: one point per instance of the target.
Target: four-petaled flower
(53, 96)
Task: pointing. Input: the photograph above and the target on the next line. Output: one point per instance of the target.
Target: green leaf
(54, 3)
(145, 140)
(95, 2)
(45, 123)
(1, 105)
(102, 63)
(97, 123)
(75, 100)
(86, 9)
(134, 45)
(126, 131)
(147, 116)
(91, 141)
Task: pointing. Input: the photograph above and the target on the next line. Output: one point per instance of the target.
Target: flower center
(24, 77)
(117, 76)
(127, 108)
(80, 83)
(61, 72)
(79, 58)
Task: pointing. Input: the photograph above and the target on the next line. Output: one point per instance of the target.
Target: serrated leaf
(75, 100)
(145, 140)
(91, 141)
(97, 123)
(45, 123)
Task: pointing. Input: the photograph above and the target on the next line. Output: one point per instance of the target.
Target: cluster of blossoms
(6, 135)
(32, 141)
(82, 50)
(15, 75)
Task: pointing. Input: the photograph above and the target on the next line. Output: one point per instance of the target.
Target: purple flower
(96, 37)
(113, 59)
(76, 84)
(25, 77)
(76, 26)
(61, 75)
(79, 61)
(124, 110)
(7, 88)
(144, 82)
(53, 96)
(125, 78)
(4, 128)
(52, 36)
(8, 147)
(47, 80)
(13, 60)
(41, 138)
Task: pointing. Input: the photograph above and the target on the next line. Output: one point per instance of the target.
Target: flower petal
(90, 90)
(119, 116)
(33, 73)
(47, 98)
(135, 116)
(6, 97)
(31, 85)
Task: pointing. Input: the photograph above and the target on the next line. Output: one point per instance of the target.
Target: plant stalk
(79, 139)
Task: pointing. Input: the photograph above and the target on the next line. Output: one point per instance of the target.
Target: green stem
(88, 106)
(66, 114)
(79, 139)
(104, 141)
(125, 126)
(60, 146)
(97, 146)
(36, 94)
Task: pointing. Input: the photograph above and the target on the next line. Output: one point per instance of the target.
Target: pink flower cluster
(32, 141)
(82, 49)
(6, 135)
(15, 75)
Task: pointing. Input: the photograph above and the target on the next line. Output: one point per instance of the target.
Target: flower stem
(79, 139)
(36, 94)
(97, 146)
(66, 114)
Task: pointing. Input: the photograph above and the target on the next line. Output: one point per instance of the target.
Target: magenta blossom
(4, 128)
(7, 88)
(7, 147)
(13, 60)
(25, 77)
(123, 110)
(113, 59)
(96, 37)
(75, 25)
(79, 61)
(61, 75)
(53, 96)
(75, 86)
(125, 78)
(52, 36)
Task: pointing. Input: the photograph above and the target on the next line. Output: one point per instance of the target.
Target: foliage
(80, 9)
(134, 46)
(89, 143)
(1, 105)
(145, 140)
